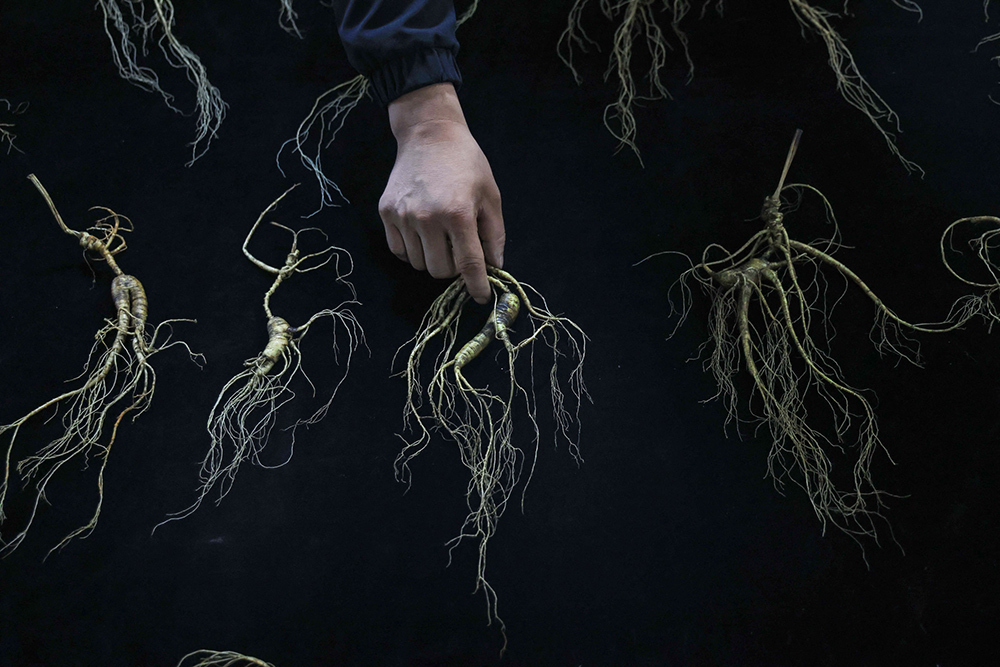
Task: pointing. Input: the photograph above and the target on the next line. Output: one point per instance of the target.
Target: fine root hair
(118, 379)
(207, 658)
(131, 27)
(246, 410)
(480, 419)
(288, 19)
(770, 312)
(637, 24)
(983, 238)
(7, 135)
(325, 119)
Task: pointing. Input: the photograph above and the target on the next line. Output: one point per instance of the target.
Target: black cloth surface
(667, 545)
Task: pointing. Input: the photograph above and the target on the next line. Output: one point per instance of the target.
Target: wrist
(426, 112)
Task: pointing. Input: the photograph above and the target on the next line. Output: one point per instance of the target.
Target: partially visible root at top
(7, 135)
(207, 658)
(479, 419)
(246, 410)
(770, 311)
(850, 83)
(131, 27)
(638, 24)
(119, 381)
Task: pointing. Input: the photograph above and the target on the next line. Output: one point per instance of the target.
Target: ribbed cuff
(414, 70)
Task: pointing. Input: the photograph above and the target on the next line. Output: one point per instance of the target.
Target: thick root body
(120, 381)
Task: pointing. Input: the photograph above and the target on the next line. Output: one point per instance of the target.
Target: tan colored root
(206, 658)
(478, 419)
(7, 135)
(770, 311)
(132, 26)
(119, 377)
(246, 410)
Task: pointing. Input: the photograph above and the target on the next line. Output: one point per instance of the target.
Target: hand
(441, 206)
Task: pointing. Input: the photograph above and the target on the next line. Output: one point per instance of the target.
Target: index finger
(467, 252)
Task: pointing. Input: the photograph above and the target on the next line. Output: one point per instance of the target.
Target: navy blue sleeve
(400, 45)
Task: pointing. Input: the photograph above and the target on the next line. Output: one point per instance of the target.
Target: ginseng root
(478, 419)
(246, 409)
(783, 279)
(637, 22)
(119, 380)
(206, 658)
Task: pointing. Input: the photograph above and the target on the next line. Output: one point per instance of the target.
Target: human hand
(441, 207)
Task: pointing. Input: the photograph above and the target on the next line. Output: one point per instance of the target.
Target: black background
(667, 546)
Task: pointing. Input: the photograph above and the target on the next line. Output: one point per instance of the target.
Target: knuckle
(470, 265)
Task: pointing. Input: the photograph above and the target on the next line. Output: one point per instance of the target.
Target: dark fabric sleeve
(400, 45)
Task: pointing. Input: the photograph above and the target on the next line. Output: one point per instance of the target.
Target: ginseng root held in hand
(246, 409)
(769, 304)
(479, 419)
(119, 380)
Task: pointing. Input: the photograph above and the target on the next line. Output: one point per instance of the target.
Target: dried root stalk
(479, 419)
(119, 381)
(770, 312)
(128, 22)
(206, 658)
(246, 409)
(638, 24)
(7, 135)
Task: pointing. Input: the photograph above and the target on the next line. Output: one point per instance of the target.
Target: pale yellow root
(207, 658)
(478, 419)
(134, 27)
